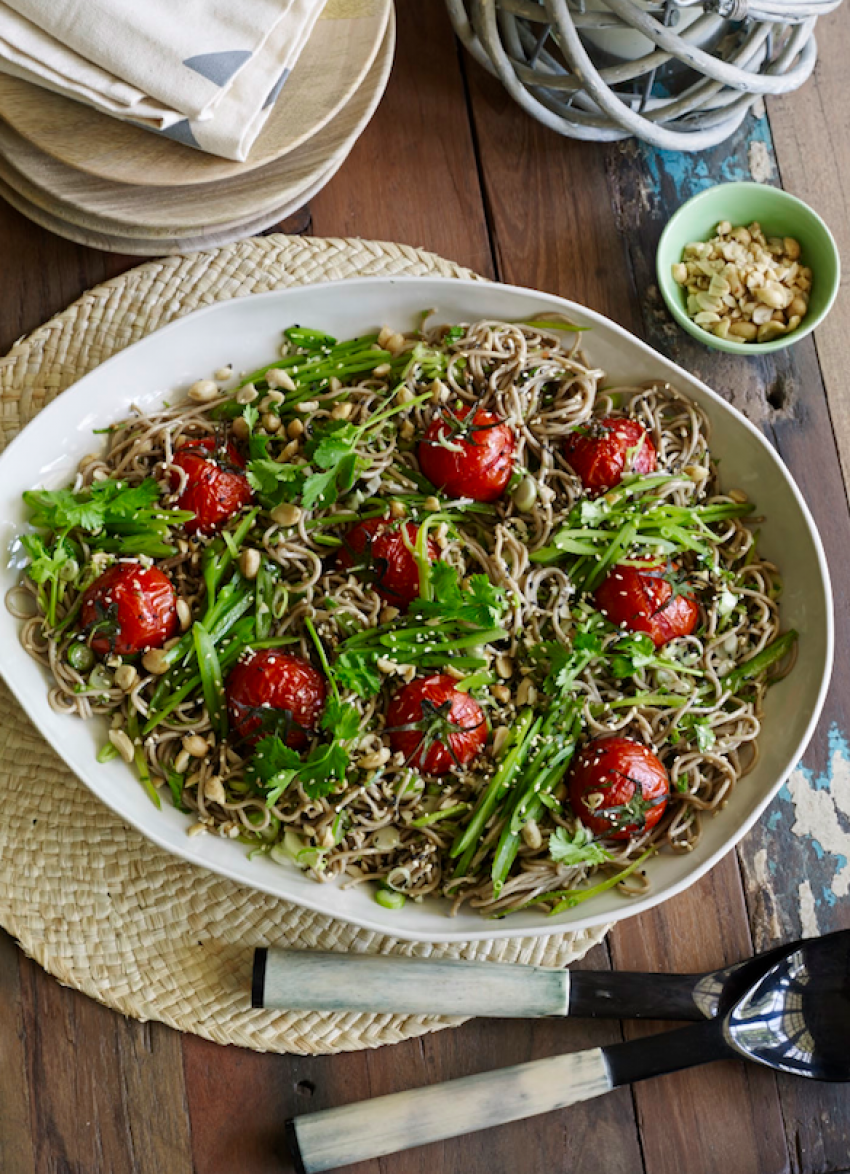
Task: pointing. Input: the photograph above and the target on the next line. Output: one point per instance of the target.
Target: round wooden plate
(180, 212)
(334, 62)
(161, 245)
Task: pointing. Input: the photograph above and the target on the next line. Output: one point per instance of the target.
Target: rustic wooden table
(449, 163)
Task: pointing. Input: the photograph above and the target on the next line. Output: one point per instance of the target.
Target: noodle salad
(438, 612)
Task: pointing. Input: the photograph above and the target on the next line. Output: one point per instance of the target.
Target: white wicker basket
(680, 74)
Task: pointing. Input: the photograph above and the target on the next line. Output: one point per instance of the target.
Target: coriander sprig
(334, 465)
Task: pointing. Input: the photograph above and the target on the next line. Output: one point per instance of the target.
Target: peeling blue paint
(692, 173)
(838, 743)
(805, 856)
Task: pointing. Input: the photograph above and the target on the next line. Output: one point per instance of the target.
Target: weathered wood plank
(411, 177)
(16, 1143)
(794, 881)
(51, 273)
(811, 133)
(551, 221)
(553, 230)
(106, 1092)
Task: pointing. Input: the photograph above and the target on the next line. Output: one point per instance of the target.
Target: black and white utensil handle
(374, 983)
(370, 1129)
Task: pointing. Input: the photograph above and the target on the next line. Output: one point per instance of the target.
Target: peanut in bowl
(747, 268)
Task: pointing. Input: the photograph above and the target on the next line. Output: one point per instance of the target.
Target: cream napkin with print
(203, 72)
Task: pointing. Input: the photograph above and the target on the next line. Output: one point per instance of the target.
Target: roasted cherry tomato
(216, 488)
(647, 599)
(377, 552)
(480, 460)
(274, 693)
(599, 452)
(618, 788)
(435, 726)
(130, 608)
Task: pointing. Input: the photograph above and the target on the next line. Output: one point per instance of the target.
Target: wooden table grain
(451, 164)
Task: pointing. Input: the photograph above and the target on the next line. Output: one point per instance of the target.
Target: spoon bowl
(797, 1017)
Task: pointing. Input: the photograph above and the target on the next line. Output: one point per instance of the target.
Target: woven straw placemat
(89, 898)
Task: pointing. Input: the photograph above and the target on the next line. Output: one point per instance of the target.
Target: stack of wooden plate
(113, 186)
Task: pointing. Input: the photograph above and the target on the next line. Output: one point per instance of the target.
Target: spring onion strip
(763, 660)
(515, 750)
(139, 758)
(212, 681)
(541, 775)
(425, 821)
(323, 656)
(621, 543)
(572, 897)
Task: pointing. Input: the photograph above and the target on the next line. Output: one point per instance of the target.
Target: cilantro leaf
(275, 766)
(484, 602)
(62, 509)
(331, 449)
(586, 640)
(577, 849)
(271, 758)
(567, 663)
(124, 503)
(481, 602)
(699, 726)
(323, 770)
(445, 586)
(342, 719)
(631, 654)
(331, 443)
(274, 483)
(319, 489)
(357, 672)
(131, 510)
(46, 562)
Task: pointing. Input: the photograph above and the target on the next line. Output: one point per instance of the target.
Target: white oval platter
(245, 333)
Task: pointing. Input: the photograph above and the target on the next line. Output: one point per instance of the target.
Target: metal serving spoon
(375, 983)
(795, 1018)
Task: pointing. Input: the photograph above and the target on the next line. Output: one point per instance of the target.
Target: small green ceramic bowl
(779, 214)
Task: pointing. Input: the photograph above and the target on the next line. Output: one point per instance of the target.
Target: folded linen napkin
(204, 72)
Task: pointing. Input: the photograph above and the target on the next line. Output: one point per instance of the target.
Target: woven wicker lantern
(679, 74)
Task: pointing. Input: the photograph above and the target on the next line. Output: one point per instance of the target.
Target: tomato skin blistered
(642, 599)
(214, 491)
(600, 454)
(481, 460)
(135, 606)
(604, 784)
(272, 680)
(376, 549)
(449, 728)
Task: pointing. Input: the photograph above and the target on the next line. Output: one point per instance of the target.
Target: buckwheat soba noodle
(442, 612)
